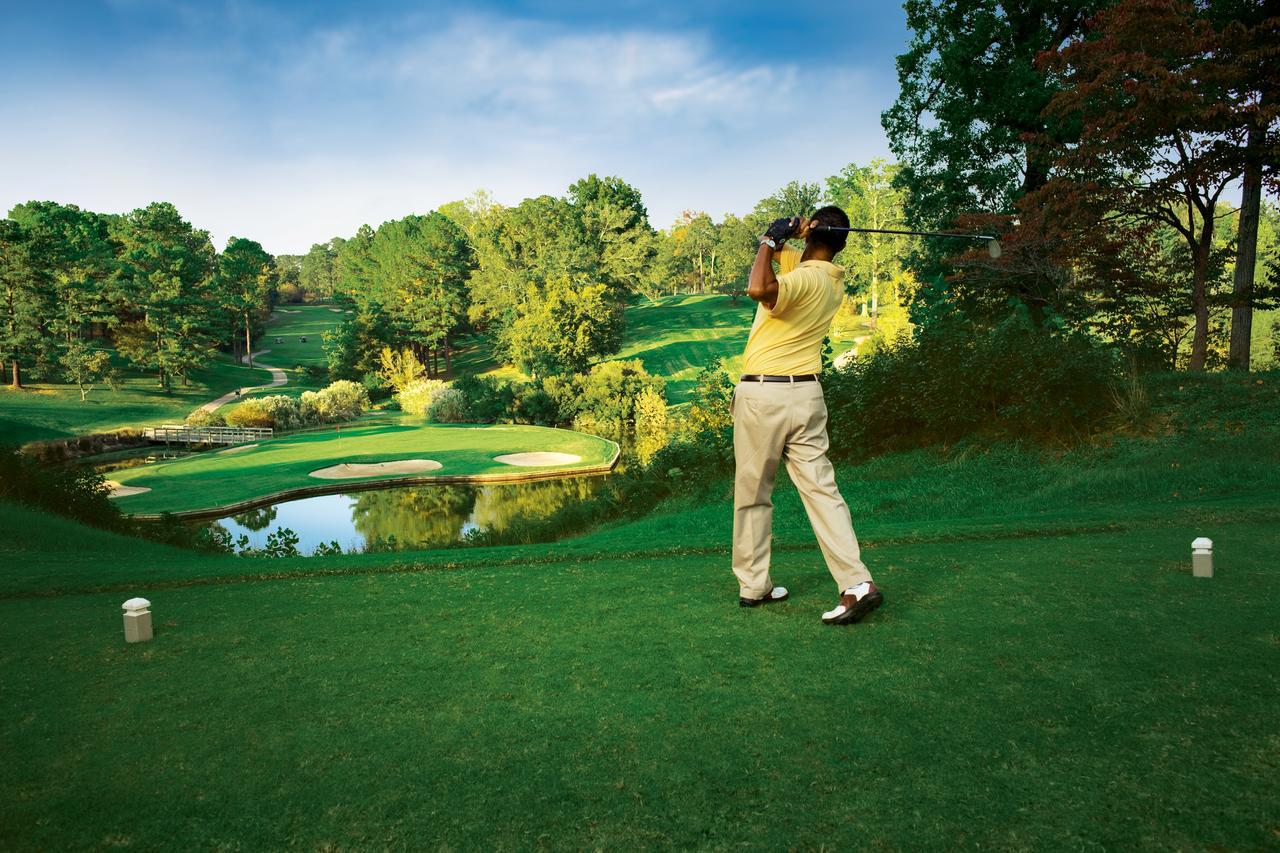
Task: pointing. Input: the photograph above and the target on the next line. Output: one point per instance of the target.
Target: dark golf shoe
(778, 593)
(855, 602)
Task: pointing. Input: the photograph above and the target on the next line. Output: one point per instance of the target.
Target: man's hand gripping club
(762, 286)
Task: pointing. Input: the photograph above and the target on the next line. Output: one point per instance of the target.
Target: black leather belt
(756, 377)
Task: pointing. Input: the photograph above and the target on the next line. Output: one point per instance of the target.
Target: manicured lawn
(219, 478)
(1039, 692)
(292, 323)
(42, 412)
(677, 336)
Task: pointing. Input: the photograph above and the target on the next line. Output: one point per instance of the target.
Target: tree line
(1099, 139)
(147, 282)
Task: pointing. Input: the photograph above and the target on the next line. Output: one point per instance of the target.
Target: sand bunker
(355, 469)
(336, 310)
(237, 449)
(119, 491)
(542, 457)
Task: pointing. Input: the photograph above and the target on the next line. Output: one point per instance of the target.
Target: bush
(487, 399)
(416, 397)
(251, 413)
(205, 418)
(277, 411)
(343, 400)
(954, 380)
(448, 407)
(70, 490)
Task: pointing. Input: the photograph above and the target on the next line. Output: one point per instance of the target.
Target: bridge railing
(183, 434)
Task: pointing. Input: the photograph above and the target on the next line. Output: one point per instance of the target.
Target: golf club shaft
(915, 233)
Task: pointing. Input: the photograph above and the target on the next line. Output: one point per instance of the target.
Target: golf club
(993, 244)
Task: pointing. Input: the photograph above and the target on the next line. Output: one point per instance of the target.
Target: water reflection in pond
(409, 516)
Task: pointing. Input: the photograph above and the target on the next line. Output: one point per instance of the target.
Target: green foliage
(709, 409)
(417, 398)
(486, 399)
(400, 369)
(566, 327)
(277, 411)
(204, 417)
(604, 400)
(954, 380)
(340, 402)
(448, 406)
(73, 491)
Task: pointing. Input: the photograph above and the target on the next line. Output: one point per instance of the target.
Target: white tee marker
(137, 620)
(1202, 558)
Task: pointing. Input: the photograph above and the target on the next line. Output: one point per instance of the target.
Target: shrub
(448, 407)
(416, 397)
(954, 380)
(343, 400)
(205, 418)
(250, 413)
(276, 411)
(75, 491)
(487, 399)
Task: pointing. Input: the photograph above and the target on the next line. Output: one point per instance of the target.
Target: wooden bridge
(183, 434)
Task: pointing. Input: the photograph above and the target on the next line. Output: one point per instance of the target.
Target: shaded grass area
(677, 336)
(219, 478)
(51, 411)
(999, 700)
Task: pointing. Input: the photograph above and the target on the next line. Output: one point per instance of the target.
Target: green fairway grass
(216, 479)
(677, 336)
(294, 322)
(43, 411)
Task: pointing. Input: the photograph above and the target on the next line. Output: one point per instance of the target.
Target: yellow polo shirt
(787, 340)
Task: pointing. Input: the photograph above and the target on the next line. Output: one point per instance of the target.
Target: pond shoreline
(337, 488)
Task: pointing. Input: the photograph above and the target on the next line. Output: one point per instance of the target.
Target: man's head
(832, 240)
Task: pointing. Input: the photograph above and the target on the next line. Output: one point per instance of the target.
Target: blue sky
(293, 122)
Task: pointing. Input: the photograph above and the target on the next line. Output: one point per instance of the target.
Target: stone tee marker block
(137, 620)
(1202, 558)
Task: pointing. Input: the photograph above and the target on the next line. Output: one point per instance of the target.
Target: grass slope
(677, 336)
(1015, 693)
(1046, 673)
(292, 323)
(50, 411)
(220, 478)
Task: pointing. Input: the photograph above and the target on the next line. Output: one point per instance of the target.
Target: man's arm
(762, 285)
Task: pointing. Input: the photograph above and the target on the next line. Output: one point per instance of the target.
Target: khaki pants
(773, 421)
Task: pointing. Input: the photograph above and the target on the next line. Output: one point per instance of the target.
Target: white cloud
(352, 125)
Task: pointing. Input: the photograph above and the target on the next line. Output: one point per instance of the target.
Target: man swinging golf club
(779, 414)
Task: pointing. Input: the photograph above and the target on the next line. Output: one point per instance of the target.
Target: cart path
(278, 378)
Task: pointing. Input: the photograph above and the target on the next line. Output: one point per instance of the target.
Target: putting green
(282, 468)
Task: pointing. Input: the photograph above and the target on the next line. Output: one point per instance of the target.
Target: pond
(409, 516)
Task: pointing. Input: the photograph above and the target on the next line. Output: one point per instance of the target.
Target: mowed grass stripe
(1080, 692)
(213, 479)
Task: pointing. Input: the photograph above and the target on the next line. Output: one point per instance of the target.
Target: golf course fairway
(302, 464)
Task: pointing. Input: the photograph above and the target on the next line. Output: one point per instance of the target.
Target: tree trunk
(448, 361)
(1246, 255)
(1200, 340)
(248, 340)
(17, 375)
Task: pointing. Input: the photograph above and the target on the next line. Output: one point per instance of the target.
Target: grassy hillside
(675, 337)
(1045, 674)
(49, 411)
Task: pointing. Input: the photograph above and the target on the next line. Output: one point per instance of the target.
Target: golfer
(779, 414)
